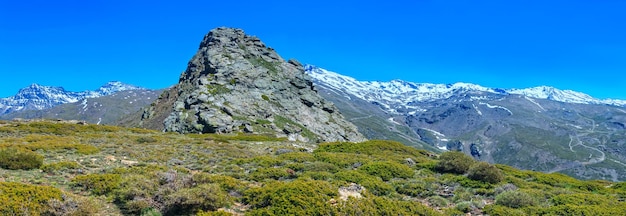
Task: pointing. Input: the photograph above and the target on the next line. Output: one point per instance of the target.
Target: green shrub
(322, 175)
(270, 173)
(51, 143)
(387, 170)
(140, 169)
(202, 197)
(464, 206)
(60, 166)
(377, 187)
(381, 206)
(454, 162)
(14, 159)
(150, 212)
(299, 197)
(583, 199)
(429, 165)
(498, 210)
(225, 182)
(98, 184)
(24, 199)
(343, 160)
(463, 194)
(72, 205)
(437, 201)
(299, 157)
(515, 199)
(414, 187)
(214, 213)
(136, 192)
(466, 182)
(570, 209)
(352, 176)
(385, 148)
(318, 166)
(453, 212)
(485, 172)
(296, 167)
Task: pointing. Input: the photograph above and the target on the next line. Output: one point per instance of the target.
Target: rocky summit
(235, 83)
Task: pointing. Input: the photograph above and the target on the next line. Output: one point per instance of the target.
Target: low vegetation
(51, 168)
(14, 158)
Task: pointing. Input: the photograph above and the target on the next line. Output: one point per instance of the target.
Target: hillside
(543, 128)
(57, 168)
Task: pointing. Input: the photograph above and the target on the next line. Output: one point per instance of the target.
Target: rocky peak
(37, 91)
(235, 83)
(116, 86)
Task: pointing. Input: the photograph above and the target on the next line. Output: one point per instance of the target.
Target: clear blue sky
(569, 44)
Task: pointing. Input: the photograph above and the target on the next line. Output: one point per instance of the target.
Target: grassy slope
(136, 171)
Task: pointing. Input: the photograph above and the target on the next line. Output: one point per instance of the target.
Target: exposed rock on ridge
(235, 83)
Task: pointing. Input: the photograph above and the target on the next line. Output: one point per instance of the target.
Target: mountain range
(235, 83)
(38, 97)
(103, 106)
(399, 95)
(541, 128)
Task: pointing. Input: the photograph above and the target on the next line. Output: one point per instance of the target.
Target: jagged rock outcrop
(235, 83)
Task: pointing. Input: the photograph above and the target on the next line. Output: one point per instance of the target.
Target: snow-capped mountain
(397, 92)
(541, 128)
(38, 97)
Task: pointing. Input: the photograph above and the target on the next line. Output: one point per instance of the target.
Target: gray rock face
(235, 83)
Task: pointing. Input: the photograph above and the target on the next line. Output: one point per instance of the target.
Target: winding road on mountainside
(575, 140)
(392, 128)
(362, 117)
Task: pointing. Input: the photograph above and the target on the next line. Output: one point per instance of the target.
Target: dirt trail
(363, 117)
(575, 140)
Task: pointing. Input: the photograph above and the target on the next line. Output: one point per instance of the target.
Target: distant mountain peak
(115, 86)
(403, 92)
(34, 85)
(38, 97)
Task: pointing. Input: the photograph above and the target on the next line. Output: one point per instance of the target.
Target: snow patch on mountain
(567, 96)
(398, 94)
(496, 107)
(477, 110)
(534, 102)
